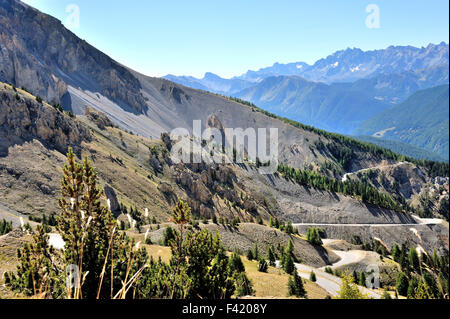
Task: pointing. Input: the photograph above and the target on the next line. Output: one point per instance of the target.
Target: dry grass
(273, 284)
(159, 251)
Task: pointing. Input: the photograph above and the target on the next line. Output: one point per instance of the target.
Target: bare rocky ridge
(23, 119)
(58, 58)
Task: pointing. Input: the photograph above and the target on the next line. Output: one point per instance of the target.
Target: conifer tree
(349, 290)
(262, 265)
(295, 286)
(362, 279)
(401, 285)
(271, 256)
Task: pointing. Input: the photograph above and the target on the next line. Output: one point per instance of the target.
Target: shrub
(5, 227)
(168, 236)
(244, 286)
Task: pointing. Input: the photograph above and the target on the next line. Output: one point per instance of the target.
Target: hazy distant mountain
(352, 64)
(411, 69)
(403, 148)
(422, 120)
(360, 84)
(277, 69)
(396, 87)
(335, 107)
(211, 82)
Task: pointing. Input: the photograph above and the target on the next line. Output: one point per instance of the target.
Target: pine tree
(413, 259)
(250, 255)
(396, 253)
(93, 248)
(244, 286)
(262, 265)
(401, 285)
(349, 290)
(386, 295)
(312, 276)
(271, 256)
(255, 252)
(236, 264)
(362, 279)
(36, 275)
(295, 286)
(289, 266)
(289, 229)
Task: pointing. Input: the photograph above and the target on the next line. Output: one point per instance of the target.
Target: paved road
(330, 283)
(344, 178)
(420, 221)
(10, 215)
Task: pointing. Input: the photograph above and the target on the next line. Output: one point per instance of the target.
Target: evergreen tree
(362, 279)
(295, 286)
(5, 227)
(262, 265)
(313, 236)
(271, 256)
(271, 222)
(289, 266)
(413, 259)
(386, 295)
(396, 253)
(412, 287)
(349, 290)
(168, 236)
(95, 255)
(312, 276)
(244, 286)
(255, 252)
(402, 284)
(236, 264)
(289, 229)
(250, 255)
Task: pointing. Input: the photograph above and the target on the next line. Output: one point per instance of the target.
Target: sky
(229, 37)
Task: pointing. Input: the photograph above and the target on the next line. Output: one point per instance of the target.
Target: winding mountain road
(330, 283)
(344, 178)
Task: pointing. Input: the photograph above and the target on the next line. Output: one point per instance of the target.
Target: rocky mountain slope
(337, 108)
(421, 120)
(134, 168)
(137, 173)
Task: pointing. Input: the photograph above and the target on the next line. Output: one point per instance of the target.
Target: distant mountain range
(334, 107)
(340, 92)
(212, 82)
(342, 66)
(352, 64)
(422, 120)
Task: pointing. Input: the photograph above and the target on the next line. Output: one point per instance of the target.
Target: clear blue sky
(229, 37)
